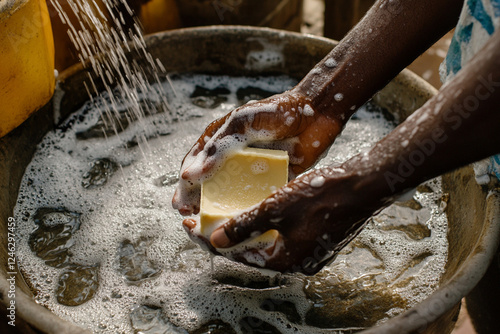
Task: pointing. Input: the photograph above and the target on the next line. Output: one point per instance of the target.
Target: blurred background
(329, 18)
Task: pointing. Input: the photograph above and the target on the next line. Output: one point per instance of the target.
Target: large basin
(473, 211)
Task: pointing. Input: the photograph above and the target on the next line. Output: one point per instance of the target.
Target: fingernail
(219, 239)
(185, 210)
(185, 174)
(189, 224)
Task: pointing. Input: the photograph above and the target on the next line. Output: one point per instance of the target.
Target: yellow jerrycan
(26, 60)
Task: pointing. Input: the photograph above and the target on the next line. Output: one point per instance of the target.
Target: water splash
(104, 36)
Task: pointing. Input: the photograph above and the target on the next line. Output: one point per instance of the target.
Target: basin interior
(229, 51)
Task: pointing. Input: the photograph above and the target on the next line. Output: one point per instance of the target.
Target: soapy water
(101, 246)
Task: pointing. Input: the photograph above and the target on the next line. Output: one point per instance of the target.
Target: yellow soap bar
(247, 177)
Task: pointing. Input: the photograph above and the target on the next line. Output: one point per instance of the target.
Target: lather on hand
(286, 121)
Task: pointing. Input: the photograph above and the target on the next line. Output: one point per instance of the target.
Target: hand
(316, 215)
(285, 121)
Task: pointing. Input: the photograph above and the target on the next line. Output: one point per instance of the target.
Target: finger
(191, 157)
(190, 225)
(186, 198)
(258, 254)
(187, 195)
(211, 148)
(208, 133)
(238, 229)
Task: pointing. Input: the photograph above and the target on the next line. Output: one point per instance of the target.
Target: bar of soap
(246, 178)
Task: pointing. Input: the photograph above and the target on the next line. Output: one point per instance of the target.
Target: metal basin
(473, 214)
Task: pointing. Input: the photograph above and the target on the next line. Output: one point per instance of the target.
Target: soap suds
(193, 288)
(330, 62)
(317, 181)
(308, 110)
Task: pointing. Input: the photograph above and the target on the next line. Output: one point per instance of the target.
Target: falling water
(102, 39)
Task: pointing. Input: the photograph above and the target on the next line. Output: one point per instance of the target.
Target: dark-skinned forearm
(458, 126)
(389, 38)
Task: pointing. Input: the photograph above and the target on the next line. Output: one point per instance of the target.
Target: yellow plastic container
(26, 60)
(159, 15)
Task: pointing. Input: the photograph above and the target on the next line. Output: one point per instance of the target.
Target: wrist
(367, 180)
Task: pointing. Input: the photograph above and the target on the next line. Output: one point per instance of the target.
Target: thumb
(240, 228)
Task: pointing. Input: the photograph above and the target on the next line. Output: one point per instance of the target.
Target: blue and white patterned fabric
(478, 21)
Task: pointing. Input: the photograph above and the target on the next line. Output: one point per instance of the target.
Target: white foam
(330, 62)
(130, 206)
(308, 110)
(317, 181)
(270, 56)
(259, 166)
